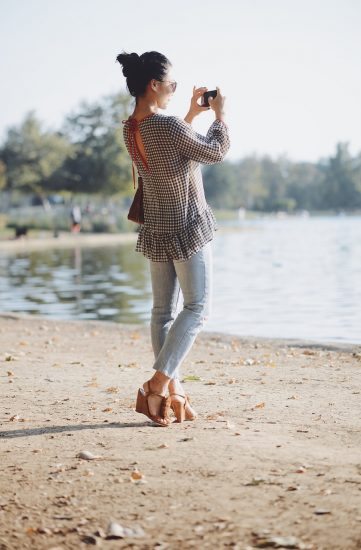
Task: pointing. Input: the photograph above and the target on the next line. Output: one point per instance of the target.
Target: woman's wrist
(220, 115)
(189, 117)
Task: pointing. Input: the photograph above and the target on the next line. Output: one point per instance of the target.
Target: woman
(178, 223)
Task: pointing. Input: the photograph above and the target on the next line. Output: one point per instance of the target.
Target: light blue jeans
(172, 337)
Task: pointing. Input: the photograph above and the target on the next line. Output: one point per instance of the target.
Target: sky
(290, 69)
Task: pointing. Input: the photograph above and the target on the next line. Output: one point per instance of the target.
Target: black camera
(206, 95)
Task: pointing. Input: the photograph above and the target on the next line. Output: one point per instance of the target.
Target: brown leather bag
(136, 210)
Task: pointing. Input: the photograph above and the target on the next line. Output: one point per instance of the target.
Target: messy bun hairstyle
(139, 70)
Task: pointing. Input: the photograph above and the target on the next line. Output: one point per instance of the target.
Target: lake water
(288, 278)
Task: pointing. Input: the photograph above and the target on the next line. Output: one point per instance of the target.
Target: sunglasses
(173, 84)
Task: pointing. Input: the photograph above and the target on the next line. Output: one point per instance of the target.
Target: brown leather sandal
(142, 406)
(182, 409)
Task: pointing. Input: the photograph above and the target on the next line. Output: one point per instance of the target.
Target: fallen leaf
(89, 539)
(137, 477)
(44, 530)
(215, 416)
(112, 389)
(255, 481)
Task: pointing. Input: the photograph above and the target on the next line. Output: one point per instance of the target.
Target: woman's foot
(180, 402)
(152, 402)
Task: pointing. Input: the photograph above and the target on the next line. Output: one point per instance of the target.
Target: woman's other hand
(217, 104)
(195, 108)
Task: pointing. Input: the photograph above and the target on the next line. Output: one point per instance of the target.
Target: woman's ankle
(176, 387)
(159, 383)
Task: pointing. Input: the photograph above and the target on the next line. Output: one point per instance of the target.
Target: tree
(303, 185)
(3, 177)
(100, 161)
(341, 185)
(221, 185)
(32, 155)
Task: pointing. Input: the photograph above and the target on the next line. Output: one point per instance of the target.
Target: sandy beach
(273, 461)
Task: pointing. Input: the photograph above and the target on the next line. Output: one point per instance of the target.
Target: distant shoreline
(45, 240)
(66, 240)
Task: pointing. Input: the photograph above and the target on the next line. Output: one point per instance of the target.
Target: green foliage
(341, 185)
(100, 161)
(221, 185)
(3, 177)
(3, 221)
(87, 155)
(31, 155)
(270, 185)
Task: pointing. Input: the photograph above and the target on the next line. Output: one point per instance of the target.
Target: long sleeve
(208, 149)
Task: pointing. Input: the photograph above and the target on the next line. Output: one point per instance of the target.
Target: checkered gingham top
(178, 221)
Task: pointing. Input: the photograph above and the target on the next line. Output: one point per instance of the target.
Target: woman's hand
(195, 108)
(217, 104)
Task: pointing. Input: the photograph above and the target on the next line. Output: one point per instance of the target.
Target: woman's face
(165, 89)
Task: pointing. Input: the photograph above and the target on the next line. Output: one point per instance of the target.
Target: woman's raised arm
(208, 149)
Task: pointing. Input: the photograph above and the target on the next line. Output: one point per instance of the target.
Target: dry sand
(275, 453)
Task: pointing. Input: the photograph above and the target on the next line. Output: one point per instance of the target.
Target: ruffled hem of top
(178, 246)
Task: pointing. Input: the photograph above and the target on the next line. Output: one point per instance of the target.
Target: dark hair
(139, 70)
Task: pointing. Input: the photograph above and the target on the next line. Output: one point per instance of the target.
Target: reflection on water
(292, 278)
(84, 283)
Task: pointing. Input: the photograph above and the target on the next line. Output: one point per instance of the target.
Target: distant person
(178, 224)
(75, 215)
(88, 208)
(21, 231)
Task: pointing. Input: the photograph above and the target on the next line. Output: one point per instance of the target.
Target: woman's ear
(153, 85)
